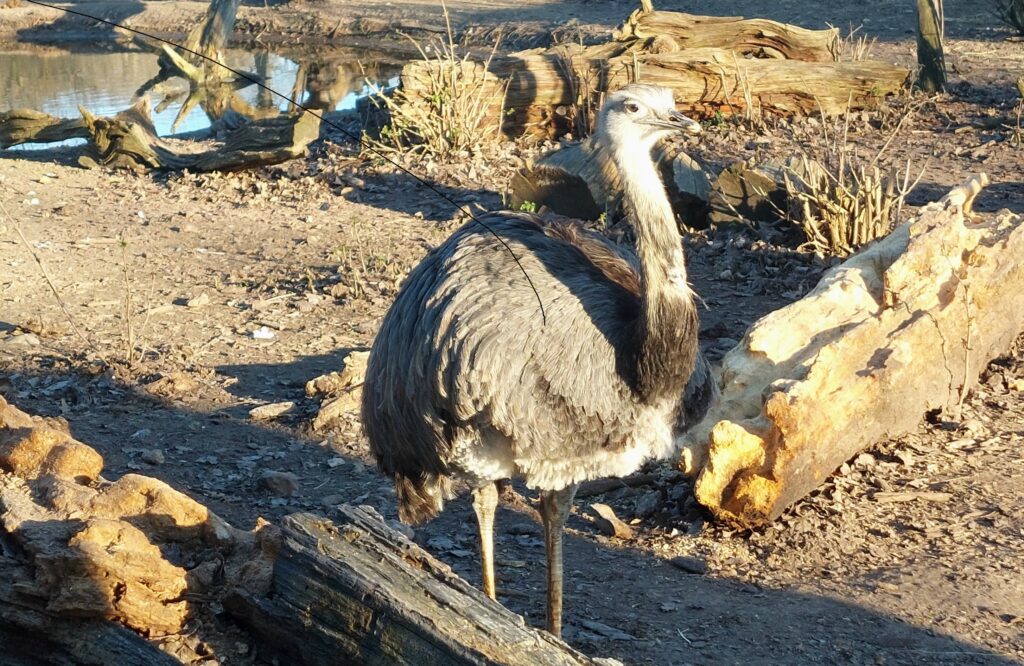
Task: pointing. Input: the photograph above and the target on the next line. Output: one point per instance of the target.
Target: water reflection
(58, 82)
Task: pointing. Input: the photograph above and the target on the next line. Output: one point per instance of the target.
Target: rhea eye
(631, 107)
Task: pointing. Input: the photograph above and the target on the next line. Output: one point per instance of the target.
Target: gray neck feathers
(666, 333)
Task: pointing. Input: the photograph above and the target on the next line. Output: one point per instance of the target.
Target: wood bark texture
(901, 328)
(758, 37)
(930, 52)
(359, 592)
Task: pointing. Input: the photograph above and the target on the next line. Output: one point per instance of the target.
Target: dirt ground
(309, 255)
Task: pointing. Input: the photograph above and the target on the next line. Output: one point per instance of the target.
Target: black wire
(345, 132)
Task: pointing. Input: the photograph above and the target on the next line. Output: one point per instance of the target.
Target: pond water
(59, 82)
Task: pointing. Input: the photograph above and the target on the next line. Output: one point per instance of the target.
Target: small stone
(263, 333)
(725, 275)
(199, 301)
(331, 501)
(995, 381)
(609, 523)
(864, 460)
(335, 462)
(23, 340)
(153, 456)
(271, 411)
(647, 504)
(688, 564)
(602, 629)
(1016, 384)
(973, 426)
(282, 484)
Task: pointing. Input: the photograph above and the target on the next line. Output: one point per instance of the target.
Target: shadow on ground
(664, 614)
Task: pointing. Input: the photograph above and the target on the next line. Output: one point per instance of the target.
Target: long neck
(666, 332)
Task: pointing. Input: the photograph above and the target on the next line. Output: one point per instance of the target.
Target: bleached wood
(903, 327)
(761, 37)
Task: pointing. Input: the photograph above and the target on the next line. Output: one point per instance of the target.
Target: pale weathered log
(581, 181)
(31, 635)
(901, 328)
(760, 37)
(360, 592)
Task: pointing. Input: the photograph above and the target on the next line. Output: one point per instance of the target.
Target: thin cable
(346, 133)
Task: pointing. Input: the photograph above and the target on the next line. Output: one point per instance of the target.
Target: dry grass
(841, 205)
(454, 114)
(582, 113)
(856, 46)
(841, 200)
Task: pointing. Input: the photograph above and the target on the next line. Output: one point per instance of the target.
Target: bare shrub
(841, 204)
(841, 200)
(452, 114)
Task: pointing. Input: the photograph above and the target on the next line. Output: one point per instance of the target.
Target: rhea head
(636, 116)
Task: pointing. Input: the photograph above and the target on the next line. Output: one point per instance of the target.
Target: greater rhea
(466, 381)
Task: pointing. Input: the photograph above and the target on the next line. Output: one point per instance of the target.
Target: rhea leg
(554, 509)
(485, 502)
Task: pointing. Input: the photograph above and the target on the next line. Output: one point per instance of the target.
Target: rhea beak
(673, 120)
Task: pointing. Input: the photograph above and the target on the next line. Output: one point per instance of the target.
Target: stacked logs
(713, 64)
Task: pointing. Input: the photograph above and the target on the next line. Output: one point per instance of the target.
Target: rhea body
(467, 382)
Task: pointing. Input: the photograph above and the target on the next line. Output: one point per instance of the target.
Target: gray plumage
(465, 381)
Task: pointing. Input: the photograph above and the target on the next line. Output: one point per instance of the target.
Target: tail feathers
(700, 394)
(419, 500)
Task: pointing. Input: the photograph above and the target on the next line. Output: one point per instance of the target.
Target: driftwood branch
(30, 126)
(901, 328)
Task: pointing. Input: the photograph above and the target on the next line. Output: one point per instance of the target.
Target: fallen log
(760, 37)
(901, 328)
(359, 592)
(541, 83)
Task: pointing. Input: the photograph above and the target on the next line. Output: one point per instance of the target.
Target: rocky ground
(185, 301)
